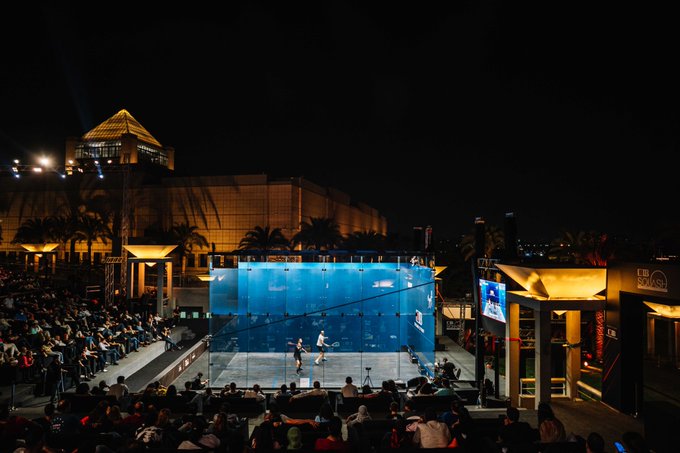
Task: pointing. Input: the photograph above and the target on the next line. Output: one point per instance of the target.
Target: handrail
(558, 386)
(585, 389)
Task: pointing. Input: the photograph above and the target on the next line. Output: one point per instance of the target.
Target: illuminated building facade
(223, 208)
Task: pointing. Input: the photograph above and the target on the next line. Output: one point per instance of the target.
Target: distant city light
(44, 161)
(37, 169)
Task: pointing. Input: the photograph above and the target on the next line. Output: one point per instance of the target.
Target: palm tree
(72, 209)
(91, 229)
(582, 247)
(33, 231)
(494, 239)
(186, 238)
(365, 240)
(320, 233)
(63, 230)
(264, 239)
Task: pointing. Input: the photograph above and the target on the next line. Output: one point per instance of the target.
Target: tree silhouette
(186, 237)
(264, 239)
(365, 240)
(33, 231)
(92, 228)
(494, 240)
(318, 234)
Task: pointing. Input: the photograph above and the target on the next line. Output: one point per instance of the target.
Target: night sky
(432, 112)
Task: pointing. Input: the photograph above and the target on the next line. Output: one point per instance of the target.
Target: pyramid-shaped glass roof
(119, 124)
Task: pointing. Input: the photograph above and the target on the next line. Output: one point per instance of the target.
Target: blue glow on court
(364, 307)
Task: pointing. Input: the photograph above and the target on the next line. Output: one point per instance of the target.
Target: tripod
(367, 379)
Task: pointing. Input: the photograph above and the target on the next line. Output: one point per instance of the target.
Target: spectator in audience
(315, 391)
(550, 428)
(198, 383)
(594, 443)
(409, 413)
(431, 433)
(282, 391)
(136, 417)
(294, 436)
(397, 437)
(633, 442)
(170, 343)
(394, 411)
(83, 389)
(426, 390)
(119, 389)
(451, 416)
(445, 389)
(513, 431)
(26, 364)
(325, 413)
(349, 390)
(101, 389)
(334, 439)
(359, 417)
(9, 348)
(232, 392)
(46, 420)
(64, 428)
(255, 392)
(171, 391)
(188, 393)
(107, 352)
(292, 388)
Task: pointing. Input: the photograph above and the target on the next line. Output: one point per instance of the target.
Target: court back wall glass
(370, 311)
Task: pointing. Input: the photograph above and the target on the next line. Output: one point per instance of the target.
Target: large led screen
(492, 295)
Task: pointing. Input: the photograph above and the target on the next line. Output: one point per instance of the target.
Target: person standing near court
(299, 349)
(320, 345)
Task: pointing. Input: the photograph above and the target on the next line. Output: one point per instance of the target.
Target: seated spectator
(349, 390)
(294, 436)
(83, 389)
(409, 413)
(198, 383)
(232, 392)
(292, 388)
(119, 389)
(255, 392)
(431, 433)
(334, 440)
(101, 389)
(188, 393)
(451, 416)
(514, 431)
(394, 411)
(325, 413)
(171, 391)
(550, 428)
(594, 443)
(397, 437)
(283, 391)
(633, 442)
(445, 389)
(359, 417)
(170, 343)
(315, 391)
